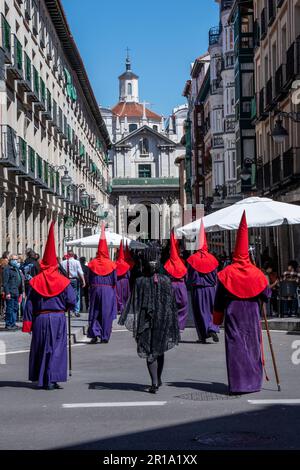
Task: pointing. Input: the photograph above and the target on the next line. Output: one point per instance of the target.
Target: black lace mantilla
(151, 314)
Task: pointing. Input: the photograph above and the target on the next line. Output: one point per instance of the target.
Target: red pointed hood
(175, 266)
(128, 258)
(102, 265)
(122, 265)
(202, 261)
(49, 282)
(242, 278)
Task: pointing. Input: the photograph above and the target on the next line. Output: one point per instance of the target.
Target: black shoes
(104, 341)
(94, 340)
(53, 386)
(152, 389)
(214, 336)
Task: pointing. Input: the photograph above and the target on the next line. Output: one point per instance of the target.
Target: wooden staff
(70, 345)
(271, 346)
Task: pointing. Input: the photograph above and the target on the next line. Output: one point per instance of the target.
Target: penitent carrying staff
(50, 296)
(151, 313)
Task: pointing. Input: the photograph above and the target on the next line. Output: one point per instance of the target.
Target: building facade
(54, 142)
(276, 114)
(142, 158)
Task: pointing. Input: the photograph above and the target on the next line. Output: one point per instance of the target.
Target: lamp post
(66, 180)
(279, 133)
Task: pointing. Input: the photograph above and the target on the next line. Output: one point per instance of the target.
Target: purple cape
(181, 297)
(242, 340)
(103, 305)
(203, 296)
(48, 350)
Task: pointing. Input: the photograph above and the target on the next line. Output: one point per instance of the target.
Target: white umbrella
(113, 240)
(260, 212)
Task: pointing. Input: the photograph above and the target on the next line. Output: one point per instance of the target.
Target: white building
(53, 160)
(143, 158)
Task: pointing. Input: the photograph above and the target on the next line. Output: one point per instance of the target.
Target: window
(247, 84)
(129, 89)
(144, 146)
(155, 128)
(132, 127)
(144, 171)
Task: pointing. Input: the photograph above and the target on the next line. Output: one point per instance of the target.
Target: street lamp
(84, 197)
(66, 180)
(279, 133)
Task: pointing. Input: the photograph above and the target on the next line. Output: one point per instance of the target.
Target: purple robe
(181, 297)
(48, 349)
(203, 296)
(103, 305)
(243, 339)
(123, 291)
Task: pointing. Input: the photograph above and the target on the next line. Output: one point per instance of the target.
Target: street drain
(233, 439)
(206, 396)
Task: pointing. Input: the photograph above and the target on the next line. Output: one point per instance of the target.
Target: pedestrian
(50, 296)
(74, 272)
(84, 290)
(3, 262)
(13, 289)
(151, 313)
(123, 279)
(103, 301)
(30, 267)
(240, 289)
(176, 270)
(202, 278)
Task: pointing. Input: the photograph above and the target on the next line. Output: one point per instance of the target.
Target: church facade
(145, 179)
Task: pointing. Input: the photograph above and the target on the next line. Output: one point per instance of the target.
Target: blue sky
(164, 37)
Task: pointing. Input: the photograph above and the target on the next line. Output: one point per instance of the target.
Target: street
(103, 406)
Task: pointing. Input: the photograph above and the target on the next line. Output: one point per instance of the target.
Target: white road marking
(14, 352)
(279, 401)
(114, 404)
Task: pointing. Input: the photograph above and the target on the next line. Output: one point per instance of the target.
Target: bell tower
(128, 83)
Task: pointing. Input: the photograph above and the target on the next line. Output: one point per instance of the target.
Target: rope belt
(50, 311)
(100, 285)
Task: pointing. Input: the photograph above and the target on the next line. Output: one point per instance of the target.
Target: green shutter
(49, 101)
(43, 90)
(36, 82)
(46, 173)
(81, 150)
(27, 68)
(6, 38)
(19, 54)
(22, 151)
(39, 167)
(52, 179)
(32, 160)
(57, 182)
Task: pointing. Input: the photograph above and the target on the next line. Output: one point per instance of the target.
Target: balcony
(229, 126)
(9, 147)
(144, 182)
(293, 62)
(272, 11)
(214, 35)
(276, 170)
(280, 80)
(261, 112)
(16, 67)
(291, 163)
(256, 34)
(217, 142)
(5, 38)
(263, 24)
(269, 95)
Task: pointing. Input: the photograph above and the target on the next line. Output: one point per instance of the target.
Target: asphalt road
(104, 405)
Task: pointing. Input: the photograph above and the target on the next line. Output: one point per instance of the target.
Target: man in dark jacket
(30, 267)
(13, 288)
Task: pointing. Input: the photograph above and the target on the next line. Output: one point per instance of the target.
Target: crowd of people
(149, 290)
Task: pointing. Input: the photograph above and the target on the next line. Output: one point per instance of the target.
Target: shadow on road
(271, 427)
(116, 386)
(212, 387)
(16, 384)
